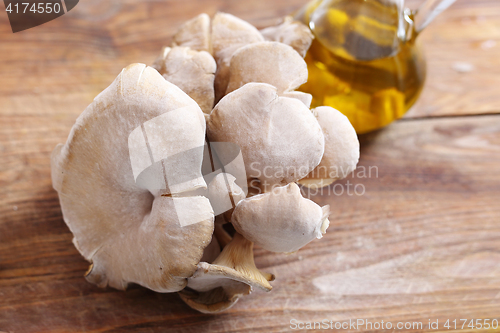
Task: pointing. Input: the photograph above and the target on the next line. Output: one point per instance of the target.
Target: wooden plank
(71, 59)
(421, 243)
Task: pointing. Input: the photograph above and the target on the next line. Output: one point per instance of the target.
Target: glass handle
(428, 12)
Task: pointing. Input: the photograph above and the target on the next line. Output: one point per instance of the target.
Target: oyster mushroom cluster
(131, 179)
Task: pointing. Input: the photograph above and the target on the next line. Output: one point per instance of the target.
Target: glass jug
(365, 60)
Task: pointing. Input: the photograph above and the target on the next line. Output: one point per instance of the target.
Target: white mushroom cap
(232, 275)
(268, 62)
(192, 71)
(159, 63)
(194, 34)
(223, 193)
(301, 96)
(292, 33)
(127, 233)
(281, 220)
(229, 33)
(341, 148)
(159, 253)
(279, 137)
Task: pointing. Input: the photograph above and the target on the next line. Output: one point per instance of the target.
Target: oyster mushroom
(132, 180)
(268, 62)
(218, 286)
(290, 221)
(194, 34)
(341, 148)
(279, 137)
(292, 33)
(129, 233)
(192, 71)
(229, 33)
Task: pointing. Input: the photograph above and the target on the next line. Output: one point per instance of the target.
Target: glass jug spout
(367, 30)
(428, 12)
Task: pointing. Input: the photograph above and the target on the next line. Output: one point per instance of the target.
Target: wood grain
(421, 243)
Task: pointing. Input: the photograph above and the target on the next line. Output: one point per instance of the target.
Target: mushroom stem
(238, 255)
(218, 286)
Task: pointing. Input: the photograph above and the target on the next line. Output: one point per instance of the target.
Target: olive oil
(371, 93)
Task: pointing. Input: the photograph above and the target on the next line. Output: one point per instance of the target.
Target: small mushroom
(194, 34)
(219, 285)
(267, 62)
(301, 96)
(292, 33)
(192, 71)
(129, 233)
(341, 148)
(229, 33)
(224, 194)
(281, 220)
(279, 137)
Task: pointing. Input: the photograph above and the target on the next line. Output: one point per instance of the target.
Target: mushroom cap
(229, 33)
(129, 234)
(268, 62)
(160, 253)
(301, 96)
(223, 193)
(192, 71)
(158, 64)
(290, 32)
(279, 137)
(281, 220)
(194, 34)
(341, 146)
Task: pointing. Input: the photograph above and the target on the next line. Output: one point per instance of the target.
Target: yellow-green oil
(370, 93)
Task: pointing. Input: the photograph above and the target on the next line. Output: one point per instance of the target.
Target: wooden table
(422, 243)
